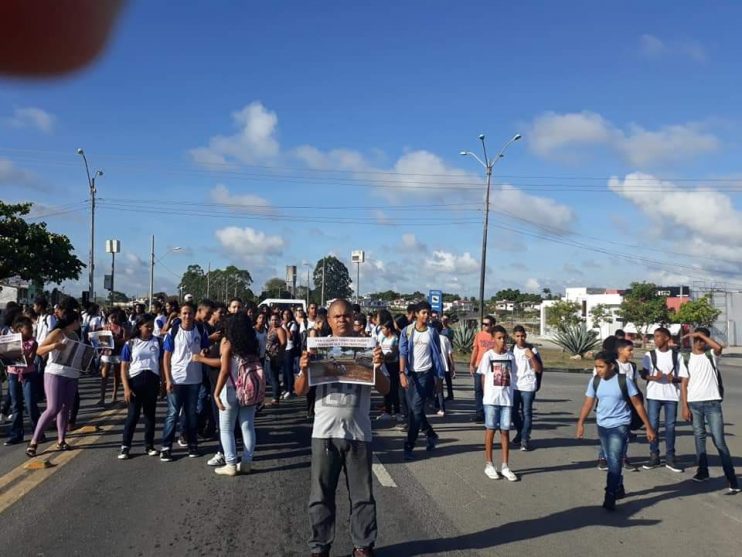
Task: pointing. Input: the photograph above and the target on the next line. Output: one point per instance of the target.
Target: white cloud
(447, 262)
(533, 284)
(654, 48)
(248, 203)
(11, 175)
(32, 117)
(409, 242)
(539, 211)
(255, 140)
(560, 136)
(247, 242)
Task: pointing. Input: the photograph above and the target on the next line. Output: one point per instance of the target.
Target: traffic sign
(435, 299)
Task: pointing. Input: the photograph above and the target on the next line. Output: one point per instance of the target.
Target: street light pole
(91, 254)
(322, 302)
(308, 266)
(487, 164)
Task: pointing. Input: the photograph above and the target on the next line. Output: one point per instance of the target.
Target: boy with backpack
(660, 371)
(702, 392)
(528, 370)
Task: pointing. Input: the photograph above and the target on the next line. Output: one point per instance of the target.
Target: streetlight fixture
(487, 164)
(152, 269)
(91, 255)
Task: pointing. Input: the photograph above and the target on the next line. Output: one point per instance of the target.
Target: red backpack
(250, 384)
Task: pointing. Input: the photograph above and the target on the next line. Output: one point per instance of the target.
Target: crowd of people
(211, 362)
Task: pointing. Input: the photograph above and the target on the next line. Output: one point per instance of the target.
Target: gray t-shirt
(342, 411)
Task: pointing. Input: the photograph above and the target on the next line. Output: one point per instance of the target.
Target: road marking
(381, 474)
(29, 479)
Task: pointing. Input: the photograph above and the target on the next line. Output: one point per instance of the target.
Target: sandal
(272, 404)
(63, 446)
(31, 450)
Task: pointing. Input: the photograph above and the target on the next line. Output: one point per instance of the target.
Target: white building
(587, 299)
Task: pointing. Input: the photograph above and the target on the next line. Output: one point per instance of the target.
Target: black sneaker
(602, 464)
(628, 465)
(193, 453)
(151, 451)
(432, 442)
(165, 456)
(700, 476)
(652, 463)
(733, 490)
(620, 493)
(670, 465)
(609, 503)
(124, 454)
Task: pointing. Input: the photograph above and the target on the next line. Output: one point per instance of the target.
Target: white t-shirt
(183, 369)
(143, 355)
(446, 351)
(525, 377)
(624, 369)
(660, 390)
(44, 325)
(160, 321)
(703, 381)
(423, 361)
(495, 367)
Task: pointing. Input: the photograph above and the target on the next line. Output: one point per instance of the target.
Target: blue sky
(273, 134)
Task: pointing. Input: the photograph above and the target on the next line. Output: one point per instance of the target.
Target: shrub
(576, 339)
(463, 338)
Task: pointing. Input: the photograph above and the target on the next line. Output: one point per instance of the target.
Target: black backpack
(636, 421)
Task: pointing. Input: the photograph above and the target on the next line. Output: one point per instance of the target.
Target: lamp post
(308, 266)
(487, 164)
(152, 269)
(91, 255)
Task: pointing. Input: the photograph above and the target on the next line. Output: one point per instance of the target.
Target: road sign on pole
(435, 299)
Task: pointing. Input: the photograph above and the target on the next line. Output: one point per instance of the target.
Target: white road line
(381, 474)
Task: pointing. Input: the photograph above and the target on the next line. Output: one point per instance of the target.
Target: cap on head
(188, 297)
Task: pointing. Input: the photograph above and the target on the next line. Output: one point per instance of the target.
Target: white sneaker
(491, 472)
(440, 413)
(227, 470)
(508, 473)
(217, 460)
(244, 467)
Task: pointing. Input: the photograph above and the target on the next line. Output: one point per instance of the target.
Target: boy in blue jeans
(496, 371)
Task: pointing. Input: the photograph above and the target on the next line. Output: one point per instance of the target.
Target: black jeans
(449, 385)
(329, 458)
(419, 387)
(145, 387)
(391, 399)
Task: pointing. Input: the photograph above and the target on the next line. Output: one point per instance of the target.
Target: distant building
(16, 290)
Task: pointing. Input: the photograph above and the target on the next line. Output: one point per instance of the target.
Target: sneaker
(244, 467)
(217, 460)
(525, 446)
(151, 451)
(516, 440)
(408, 455)
(620, 493)
(226, 470)
(124, 454)
(182, 441)
(652, 463)
(440, 413)
(384, 417)
(602, 464)
(491, 472)
(431, 443)
(628, 465)
(670, 465)
(285, 395)
(165, 456)
(733, 490)
(13, 442)
(508, 473)
(701, 476)
(193, 453)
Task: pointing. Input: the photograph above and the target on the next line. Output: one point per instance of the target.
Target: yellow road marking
(29, 479)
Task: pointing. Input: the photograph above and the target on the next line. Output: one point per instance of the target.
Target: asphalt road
(439, 504)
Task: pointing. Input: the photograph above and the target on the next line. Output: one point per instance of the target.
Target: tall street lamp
(487, 164)
(91, 255)
(152, 269)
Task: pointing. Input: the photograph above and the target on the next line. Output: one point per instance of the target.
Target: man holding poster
(341, 437)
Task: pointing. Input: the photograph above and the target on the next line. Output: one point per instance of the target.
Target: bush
(463, 338)
(576, 339)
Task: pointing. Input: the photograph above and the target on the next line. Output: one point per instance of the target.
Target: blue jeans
(709, 412)
(419, 387)
(183, 397)
(22, 392)
(523, 413)
(288, 371)
(478, 395)
(671, 414)
(227, 418)
(613, 442)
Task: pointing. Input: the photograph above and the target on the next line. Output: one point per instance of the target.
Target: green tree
(642, 306)
(600, 314)
(507, 295)
(386, 296)
(447, 297)
(221, 284)
(30, 251)
(563, 314)
(547, 293)
(118, 297)
(698, 313)
(193, 282)
(337, 278)
(275, 288)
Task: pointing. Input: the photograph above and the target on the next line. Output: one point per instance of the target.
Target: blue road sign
(435, 298)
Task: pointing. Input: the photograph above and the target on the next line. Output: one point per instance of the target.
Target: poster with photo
(341, 360)
(11, 350)
(76, 355)
(101, 340)
(501, 370)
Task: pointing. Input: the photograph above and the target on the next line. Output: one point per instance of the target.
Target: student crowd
(211, 361)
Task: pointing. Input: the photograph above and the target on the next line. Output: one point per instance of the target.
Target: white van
(284, 304)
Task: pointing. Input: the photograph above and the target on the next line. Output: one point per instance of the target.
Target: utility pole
(323, 281)
(91, 254)
(152, 273)
(208, 280)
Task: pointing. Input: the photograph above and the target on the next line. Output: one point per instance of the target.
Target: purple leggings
(60, 395)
